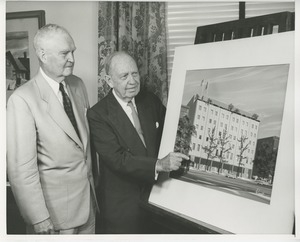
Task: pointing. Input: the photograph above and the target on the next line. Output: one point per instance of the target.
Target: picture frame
(21, 61)
(227, 212)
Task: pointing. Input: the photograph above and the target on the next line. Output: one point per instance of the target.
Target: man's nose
(131, 79)
(71, 57)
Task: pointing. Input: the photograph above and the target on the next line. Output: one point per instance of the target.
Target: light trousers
(87, 228)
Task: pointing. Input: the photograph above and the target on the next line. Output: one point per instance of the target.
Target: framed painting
(231, 110)
(21, 61)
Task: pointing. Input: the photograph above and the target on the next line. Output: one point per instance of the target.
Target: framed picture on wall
(21, 61)
(230, 109)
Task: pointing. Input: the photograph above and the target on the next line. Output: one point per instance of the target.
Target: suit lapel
(123, 125)
(146, 120)
(79, 110)
(55, 109)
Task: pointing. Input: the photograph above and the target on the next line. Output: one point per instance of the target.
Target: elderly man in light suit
(49, 158)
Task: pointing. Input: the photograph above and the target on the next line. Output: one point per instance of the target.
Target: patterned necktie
(136, 122)
(68, 107)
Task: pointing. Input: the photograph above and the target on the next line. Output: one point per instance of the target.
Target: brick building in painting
(210, 116)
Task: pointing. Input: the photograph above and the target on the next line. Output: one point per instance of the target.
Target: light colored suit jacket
(49, 167)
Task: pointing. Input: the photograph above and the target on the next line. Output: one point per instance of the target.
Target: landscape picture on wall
(17, 60)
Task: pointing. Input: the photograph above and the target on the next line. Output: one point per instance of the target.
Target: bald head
(122, 75)
(115, 57)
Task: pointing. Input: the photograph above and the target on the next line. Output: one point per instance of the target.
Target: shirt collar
(122, 102)
(53, 84)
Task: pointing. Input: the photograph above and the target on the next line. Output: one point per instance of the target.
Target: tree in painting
(184, 134)
(210, 148)
(185, 131)
(225, 147)
(265, 161)
(243, 147)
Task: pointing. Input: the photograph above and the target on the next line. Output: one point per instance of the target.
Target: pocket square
(157, 124)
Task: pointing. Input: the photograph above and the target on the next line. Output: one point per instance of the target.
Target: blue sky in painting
(259, 90)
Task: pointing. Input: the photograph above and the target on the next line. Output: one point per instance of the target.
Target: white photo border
(228, 212)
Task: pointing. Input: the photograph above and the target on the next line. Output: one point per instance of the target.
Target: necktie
(68, 107)
(136, 122)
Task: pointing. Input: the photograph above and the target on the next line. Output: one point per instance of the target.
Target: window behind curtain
(183, 18)
(262, 8)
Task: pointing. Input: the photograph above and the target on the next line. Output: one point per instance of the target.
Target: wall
(80, 19)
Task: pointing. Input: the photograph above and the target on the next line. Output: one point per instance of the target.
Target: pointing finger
(183, 156)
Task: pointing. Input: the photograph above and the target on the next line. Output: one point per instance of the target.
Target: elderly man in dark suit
(126, 128)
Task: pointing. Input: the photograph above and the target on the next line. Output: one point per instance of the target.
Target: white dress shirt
(125, 106)
(55, 86)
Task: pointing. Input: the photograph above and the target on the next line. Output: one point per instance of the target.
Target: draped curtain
(140, 29)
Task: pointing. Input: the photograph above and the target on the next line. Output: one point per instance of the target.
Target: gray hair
(109, 59)
(46, 32)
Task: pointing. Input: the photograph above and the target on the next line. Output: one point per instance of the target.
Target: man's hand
(171, 162)
(44, 227)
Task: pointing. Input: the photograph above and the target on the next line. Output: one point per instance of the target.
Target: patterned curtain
(140, 29)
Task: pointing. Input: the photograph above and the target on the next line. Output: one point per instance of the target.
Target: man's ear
(42, 55)
(109, 81)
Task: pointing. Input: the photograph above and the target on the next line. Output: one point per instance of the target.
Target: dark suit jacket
(127, 168)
